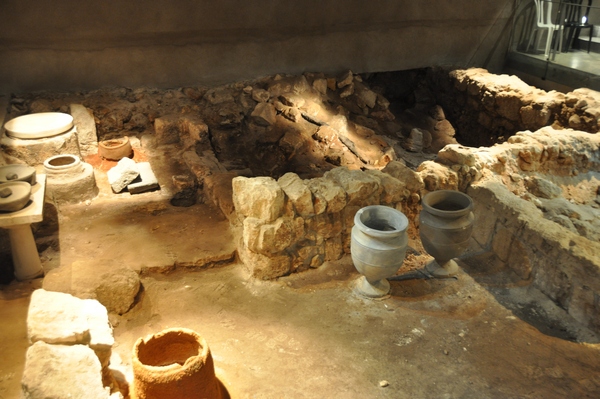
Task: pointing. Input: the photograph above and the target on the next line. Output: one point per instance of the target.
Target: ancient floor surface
(307, 335)
(310, 336)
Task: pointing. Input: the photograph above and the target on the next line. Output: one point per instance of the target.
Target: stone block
(501, 243)
(123, 174)
(542, 188)
(298, 193)
(411, 179)
(358, 185)
(265, 267)
(83, 119)
(264, 114)
(62, 372)
(393, 190)
(167, 129)
(145, 181)
(331, 194)
(117, 289)
(259, 197)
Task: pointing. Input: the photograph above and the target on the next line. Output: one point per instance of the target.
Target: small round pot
(115, 149)
(175, 363)
(445, 227)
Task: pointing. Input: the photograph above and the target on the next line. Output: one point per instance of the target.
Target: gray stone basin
(14, 196)
(17, 172)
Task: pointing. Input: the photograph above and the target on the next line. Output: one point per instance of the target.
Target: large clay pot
(378, 246)
(175, 363)
(445, 227)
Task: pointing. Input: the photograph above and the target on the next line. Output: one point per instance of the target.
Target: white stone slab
(120, 176)
(145, 181)
(61, 372)
(40, 125)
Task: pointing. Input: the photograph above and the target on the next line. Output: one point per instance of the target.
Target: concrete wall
(84, 44)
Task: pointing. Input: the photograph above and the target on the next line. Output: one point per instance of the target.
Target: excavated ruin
(289, 160)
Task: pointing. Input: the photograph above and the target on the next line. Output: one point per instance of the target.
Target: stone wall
(537, 208)
(485, 108)
(290, 224)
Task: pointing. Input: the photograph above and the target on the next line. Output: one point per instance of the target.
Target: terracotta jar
(175, 363)
(445, 227)
(115, 149)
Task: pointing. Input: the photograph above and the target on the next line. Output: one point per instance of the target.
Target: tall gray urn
(445, 227)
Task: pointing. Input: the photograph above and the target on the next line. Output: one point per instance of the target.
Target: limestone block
(439, 177)
(393, 190)
(260, 95)
(259, 197)
(264, 114)
(324, 226)
(62, 372)
(83, 119)
(292, 99)
(101, 333)
(508, 105)
(358, 185)
(117, 289)
(193, 131)
(328, 193)
(166, 129)
(414, 143)
(298, 193)
(145, 181)
(251, 233)
(368, 96)
(57, 318)
(411, 179)
(123, 174)
(275, 237)
(218, 95)
(320, 85)
(217, 188)
(457, 154)
(265, 267)
(542, 188)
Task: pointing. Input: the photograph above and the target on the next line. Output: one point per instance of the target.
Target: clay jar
(115, 149)
(378, 246)
(445, 227)
(175, 363)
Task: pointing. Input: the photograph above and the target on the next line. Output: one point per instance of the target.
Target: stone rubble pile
(71, 349)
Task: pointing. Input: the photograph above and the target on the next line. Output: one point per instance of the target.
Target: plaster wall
(86, 44)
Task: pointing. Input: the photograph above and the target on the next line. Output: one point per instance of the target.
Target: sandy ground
(307, 335)
(310, 336)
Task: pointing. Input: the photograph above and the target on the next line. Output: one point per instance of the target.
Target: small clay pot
(115, 149)
(175, 363)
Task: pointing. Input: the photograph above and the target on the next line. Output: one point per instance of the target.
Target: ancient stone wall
(290, 224)
(486, 108)
(537, 207)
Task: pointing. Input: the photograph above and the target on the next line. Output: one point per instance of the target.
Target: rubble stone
(123, 174)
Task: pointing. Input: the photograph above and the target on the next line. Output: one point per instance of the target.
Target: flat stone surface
(123, 174)
(145, 181)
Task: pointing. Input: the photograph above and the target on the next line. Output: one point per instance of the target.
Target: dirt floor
(309, 335)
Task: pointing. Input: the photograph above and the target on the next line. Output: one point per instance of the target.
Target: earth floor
(307, 335)
(310, 336)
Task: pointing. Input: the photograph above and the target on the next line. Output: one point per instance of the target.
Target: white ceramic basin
(14, 196)
(40, 125)
(17, 172)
